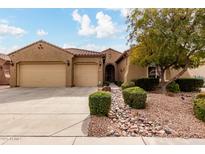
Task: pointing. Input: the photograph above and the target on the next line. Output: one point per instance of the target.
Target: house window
(152, 72)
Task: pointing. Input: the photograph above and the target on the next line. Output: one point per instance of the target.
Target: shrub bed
(199, 109)
(147, 84)
(190, 84)
(135, 97)
(127, 85)
(99, 103)
(173, 87)
(200, 95)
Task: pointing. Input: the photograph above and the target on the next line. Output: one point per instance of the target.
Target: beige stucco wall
(197, 72)
(122, 69)
(34, 54)
(91, 60)
(129, 71)
(3, 66)
(172, 72)
(134, 71)
(111, 57)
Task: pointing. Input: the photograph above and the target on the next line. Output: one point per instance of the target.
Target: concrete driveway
(44, 111)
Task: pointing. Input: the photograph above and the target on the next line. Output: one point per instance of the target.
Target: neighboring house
(129, 71)
(4, 69)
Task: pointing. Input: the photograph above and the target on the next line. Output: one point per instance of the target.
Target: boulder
(106, 88)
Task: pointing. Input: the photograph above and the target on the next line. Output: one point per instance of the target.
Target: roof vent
(40, 46)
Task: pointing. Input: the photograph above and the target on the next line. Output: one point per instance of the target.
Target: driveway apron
(44, 111)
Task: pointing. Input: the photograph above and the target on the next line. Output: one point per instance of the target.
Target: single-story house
(4, 69)
(42, 64)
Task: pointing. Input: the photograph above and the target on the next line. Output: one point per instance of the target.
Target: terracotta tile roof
(4, 57)
(112, 50)
(83, 52)
(122, 56)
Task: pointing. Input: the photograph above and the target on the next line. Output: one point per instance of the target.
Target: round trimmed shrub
(173, 87)
(147, 84)
(190, 84)
(199, 109)
(135, 97)
(200, 95)
(127, 84)
(99, 103)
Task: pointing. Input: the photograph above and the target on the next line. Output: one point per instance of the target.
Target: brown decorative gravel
(168, 115)
(176, 112)
(98, 126)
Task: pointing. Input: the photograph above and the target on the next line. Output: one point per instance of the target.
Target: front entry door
(110, 73)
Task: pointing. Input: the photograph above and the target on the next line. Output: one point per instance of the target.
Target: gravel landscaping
(165, 116)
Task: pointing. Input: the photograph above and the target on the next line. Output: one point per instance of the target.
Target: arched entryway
(110, 73)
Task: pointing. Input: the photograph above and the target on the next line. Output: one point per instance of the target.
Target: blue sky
(94, 29)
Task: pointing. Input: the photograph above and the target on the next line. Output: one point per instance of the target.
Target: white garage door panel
(42, 75)
(85, 75)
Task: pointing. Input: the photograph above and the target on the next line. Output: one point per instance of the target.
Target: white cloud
(86, 28)
(84, 20)
(4, 21)
(7, 30)
(8, 50)
(104, 28)
(93, 47)
(85, 46)
(41, 32)
(124, 12)
(69, 45)
(76, 16)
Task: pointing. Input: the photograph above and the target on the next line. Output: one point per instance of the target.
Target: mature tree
(168, 38)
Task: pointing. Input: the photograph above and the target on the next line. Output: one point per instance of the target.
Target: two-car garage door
(54, 75)
(42, 75)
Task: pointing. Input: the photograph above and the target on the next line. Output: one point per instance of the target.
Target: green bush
(135, 97)
(99, 103)
(190, 84)
(200, 95)
(147, 84)
(199, 109)
(127, 84)
(173, 87)
(118, 83)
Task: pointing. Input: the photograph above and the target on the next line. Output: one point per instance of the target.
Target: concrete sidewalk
(98, 141)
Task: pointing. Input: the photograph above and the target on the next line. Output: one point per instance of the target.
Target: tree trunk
(165, 84)
(162, 82)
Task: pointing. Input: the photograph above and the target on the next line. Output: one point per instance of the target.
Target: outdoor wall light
(68, 62)
(11, 63)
